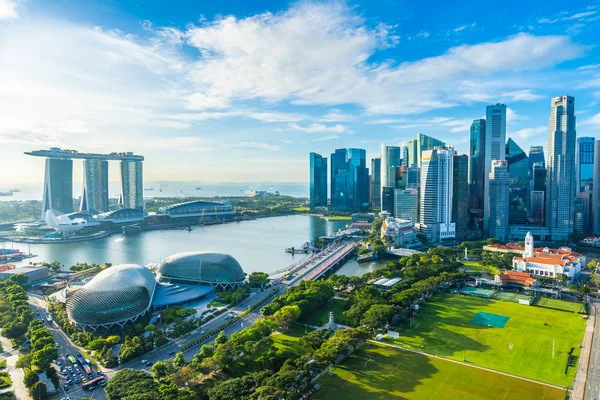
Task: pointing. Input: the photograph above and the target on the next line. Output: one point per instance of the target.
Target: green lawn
(475, 266)
(378, 372)
(289, 340)
(523, 347)
(4, 379)
(2, 364)
(559, 304)
(320, 316)
(339, 218)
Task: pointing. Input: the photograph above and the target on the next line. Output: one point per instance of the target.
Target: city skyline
(204, 93)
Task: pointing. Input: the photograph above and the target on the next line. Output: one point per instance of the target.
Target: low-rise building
(400, 231)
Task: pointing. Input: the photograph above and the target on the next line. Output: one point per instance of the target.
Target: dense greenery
(15, 315)
(257, 280)
(16, 210)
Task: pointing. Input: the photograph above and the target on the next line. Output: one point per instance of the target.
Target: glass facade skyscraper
(58, 186)
(318, 181)
(360, 179)
(349, 180)
(94, 193)
(495, 142)
(499, 204)
(518, 170)
(338, 161)
(536, 155)
(537, 198)
(406, 204)
(476, 171)
(132, 186)
(460, 195)
(376, 183)
(390, 160)
(585, 163)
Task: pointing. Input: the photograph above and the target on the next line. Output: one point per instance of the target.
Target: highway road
(592, 389)
(38, 306)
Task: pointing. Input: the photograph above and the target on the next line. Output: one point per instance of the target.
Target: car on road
(57, 344)
(202, 332)
(92, 388)
(66, 387)
(84, 380)
(172, 353)
(146, 362)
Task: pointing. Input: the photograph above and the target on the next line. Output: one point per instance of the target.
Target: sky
(242, 91)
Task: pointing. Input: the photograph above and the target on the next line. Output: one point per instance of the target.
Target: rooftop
(74, 154)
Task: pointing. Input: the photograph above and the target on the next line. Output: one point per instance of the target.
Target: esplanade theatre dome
(115, 296)
(203, 268)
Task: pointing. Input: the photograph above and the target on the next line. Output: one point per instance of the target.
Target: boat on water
(6, 193)
(149, 189)
(198, 188)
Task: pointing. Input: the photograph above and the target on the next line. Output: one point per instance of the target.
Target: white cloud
(318, 128)
(564, 17)
(200, 101)
(594, 120)
(335, 115)
(528, 132)
(588, 67)
(463, 27)
(258, 145)
(8, 10)
(456, 125)
(330, 137)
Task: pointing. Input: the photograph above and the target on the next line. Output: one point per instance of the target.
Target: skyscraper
(387, 199)
(518, 169)
(435, 207)
(318, 181)
(376, 183)
(390, 159)
(536, 155)
(406, 204)
(460, 195)
(477, 175)
(414, 177)
(357, 161)
(132, 186)
(561, 184)
(495, 139)
(537, 198)
(423, 143)
(498, 206)
(596, 193)
(58, 186)
(584, 159)
(337, 160)
(94, 193)
(582, 222)
(404, 155)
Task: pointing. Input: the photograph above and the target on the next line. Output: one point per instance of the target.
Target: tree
(221, 338)
(160, 369)
(179, 361)
(592, 263)
(378, 315)
(24, 361)
(14, 329)
(286, 316)
(132, 384)
(30, 378)
(39, 391)
(257, 279)
(42, 358)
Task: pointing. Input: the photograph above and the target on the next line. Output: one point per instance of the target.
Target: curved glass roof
(202, 267)
(117, 294)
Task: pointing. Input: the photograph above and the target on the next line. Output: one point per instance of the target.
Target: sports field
(559, 304)
(523, 347)
(378, 372)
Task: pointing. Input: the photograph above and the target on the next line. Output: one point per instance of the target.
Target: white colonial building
(548, 262)
(400, 231)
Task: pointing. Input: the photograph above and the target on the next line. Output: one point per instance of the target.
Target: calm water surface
(258, 245)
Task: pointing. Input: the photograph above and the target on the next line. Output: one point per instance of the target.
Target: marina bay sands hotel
(58, 180)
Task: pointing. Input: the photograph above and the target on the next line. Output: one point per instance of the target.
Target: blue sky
(242, 91)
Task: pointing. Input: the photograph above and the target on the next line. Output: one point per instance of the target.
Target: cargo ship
(6, 193)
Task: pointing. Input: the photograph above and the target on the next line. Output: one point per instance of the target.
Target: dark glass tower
(518, 189)
(318, 181)
(359, 190)
(460, 191)
(376, 183)
(476, 173)
(338, 161)
(58, 186)
(585, 163)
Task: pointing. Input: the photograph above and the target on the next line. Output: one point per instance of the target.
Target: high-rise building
(387, 199)
(337, 160)
(414, 176)
(360, 179)
(477, 175)
(318, 181)
(537, 198)
(376, 183)
(536, 155)
(94, 193)
(561, 184)
(584, 159)
(404, 156)
(390, 160)
(58, 186)
(411, 151)
(583, 203)
(435, 206)
(495, 139)
(401, 179)
(423, 143)
(132, 186)
(406, 204)
(596, 193)
(498, 206)
(518, 191)
(460, 195)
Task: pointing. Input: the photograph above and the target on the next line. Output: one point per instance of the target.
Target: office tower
(94, 192)
(318, 181)
(342, 183)
(536, 155)
(498, 206)
(404, 156)
(476, 170)
(401, 178)
(537, 198)
(435, 206)
(132, 186)
(460, 195)
(414, 176)
(584, 161)
(582, 222)
(58, 186)
(337, 160)
(495, 139)
(518, 190)
(390, 159)
(387, 199)
(423, 143)
(596, 193)
(360, 179)
(561, 181)
(406, 204)
(376, 183)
